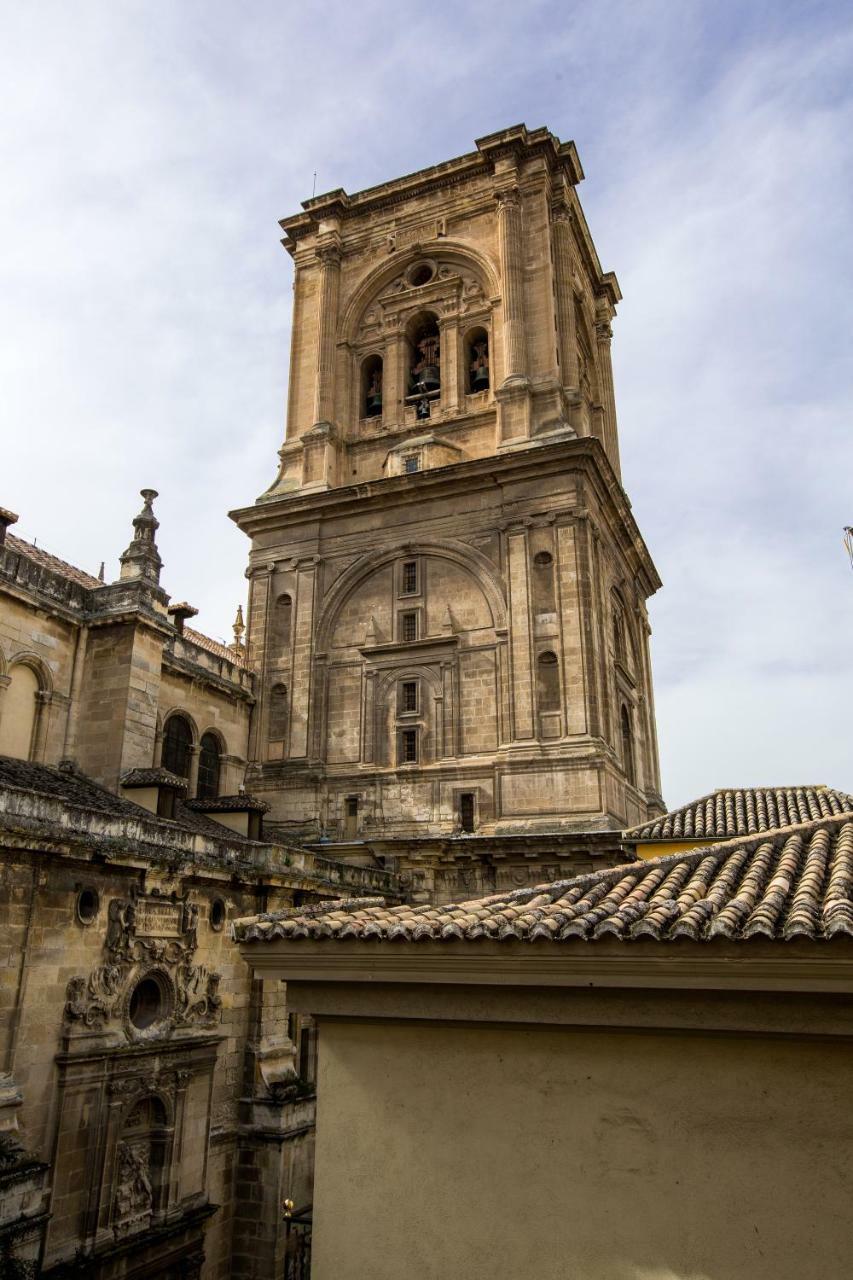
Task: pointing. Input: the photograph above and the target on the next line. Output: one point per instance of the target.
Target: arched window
(548, 681)
(18, 712)
(208, 767)
(142, 1158)
(628, 746)
(371, 387)
(177, 746)
(282, 622)
(544, 597)
(278, 713)
(476, 361)
(425, 357)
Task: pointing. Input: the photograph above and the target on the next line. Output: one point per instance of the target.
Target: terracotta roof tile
(794, 882)
(47, 561)
(726, 813)
(65, 570)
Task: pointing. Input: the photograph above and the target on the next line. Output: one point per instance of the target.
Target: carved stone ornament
(154, 938)
(134, 1197)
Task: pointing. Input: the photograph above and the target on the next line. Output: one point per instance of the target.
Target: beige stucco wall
(553, 1153)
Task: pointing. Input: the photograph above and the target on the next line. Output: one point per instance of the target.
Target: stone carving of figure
(190, 925)
(134, 1192)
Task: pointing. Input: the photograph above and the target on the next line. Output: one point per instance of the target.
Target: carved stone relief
(148, 982)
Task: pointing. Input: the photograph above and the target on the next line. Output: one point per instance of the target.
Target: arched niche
(476, 356)
(370, 392)
(423, 362)
(349, 590)
(19, 710)
(394, 274)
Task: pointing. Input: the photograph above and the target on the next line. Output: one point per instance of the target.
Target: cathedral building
(447, 616)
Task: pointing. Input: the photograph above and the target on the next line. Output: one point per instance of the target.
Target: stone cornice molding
(779, 967)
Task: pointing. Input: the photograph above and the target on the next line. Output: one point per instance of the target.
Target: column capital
(561, 214)
(508, 198)
(329, 252)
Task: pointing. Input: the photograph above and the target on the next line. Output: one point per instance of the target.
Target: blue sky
(149, 150)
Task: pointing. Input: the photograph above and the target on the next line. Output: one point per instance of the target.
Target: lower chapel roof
(62, 569)
(742, 812)
(795, 882)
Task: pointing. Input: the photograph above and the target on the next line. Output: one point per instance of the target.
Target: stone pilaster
(300, 691)
(520, 648)
(603, 338)
(566, 326)
(329, 255)
(513, 395)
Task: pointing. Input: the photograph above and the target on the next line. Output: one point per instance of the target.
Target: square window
(409, 746)
(410, 577)
(411, 464)
(409, 698)
(408, 626)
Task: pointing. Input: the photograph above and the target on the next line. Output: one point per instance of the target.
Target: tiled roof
(213, 646)
(153, 778)
(84, 579)
(47, 561)
(726, 813)
(76, 789)
(229, 804)
(792, 883)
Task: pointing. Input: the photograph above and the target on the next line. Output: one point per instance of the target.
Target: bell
(480, 378)
(429, 378)
(374, 404)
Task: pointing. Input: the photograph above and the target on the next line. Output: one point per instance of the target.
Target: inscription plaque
(156, 918)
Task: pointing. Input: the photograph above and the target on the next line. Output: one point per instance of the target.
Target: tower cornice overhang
(517, 142)
(584, 456)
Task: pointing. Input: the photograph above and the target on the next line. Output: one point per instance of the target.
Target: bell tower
(448, 590)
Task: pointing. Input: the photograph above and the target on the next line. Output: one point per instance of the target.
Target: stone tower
(448, 591)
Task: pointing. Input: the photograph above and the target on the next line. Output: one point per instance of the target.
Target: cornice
(822, 967)
(583, 454)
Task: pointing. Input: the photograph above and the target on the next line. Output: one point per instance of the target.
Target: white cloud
(144, 299)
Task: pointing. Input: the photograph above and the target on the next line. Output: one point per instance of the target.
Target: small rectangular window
(410, 577)
(352, 806)
(409, 698)
(466, 810)
(412, 463)
(408, 626)
(409, 746)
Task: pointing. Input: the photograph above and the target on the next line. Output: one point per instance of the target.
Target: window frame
(410, 734)
(405, 617)
(402, 708)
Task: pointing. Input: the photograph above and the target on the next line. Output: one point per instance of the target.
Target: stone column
(329, 255)
(393, 379)
(449, 333)
(509, 240)
(566, 328)
(603, 338)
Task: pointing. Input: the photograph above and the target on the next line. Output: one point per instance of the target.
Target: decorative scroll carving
(146, 935)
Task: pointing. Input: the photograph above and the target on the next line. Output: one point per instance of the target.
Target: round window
(421, 274)
(217, 914)
(88, 903)
(148, 1004)
(542, 559)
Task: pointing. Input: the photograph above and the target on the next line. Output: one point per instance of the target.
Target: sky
(147, 151)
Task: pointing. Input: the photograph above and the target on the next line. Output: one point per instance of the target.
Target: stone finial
(448, 626)
(101, 575)
(142, 559)
(6, 518)
(238, 629)
(371, 635)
